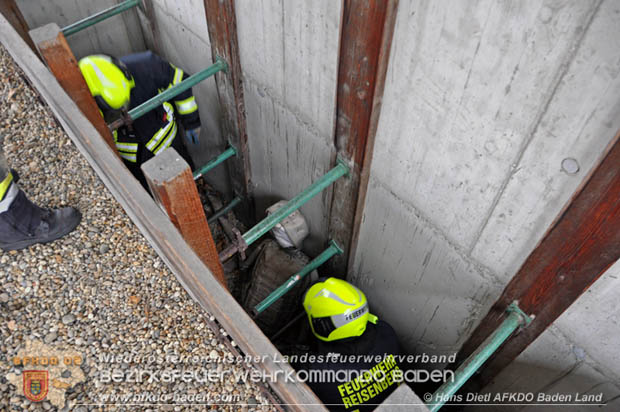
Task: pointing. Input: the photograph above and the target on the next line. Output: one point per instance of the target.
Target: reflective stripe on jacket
(154, 132)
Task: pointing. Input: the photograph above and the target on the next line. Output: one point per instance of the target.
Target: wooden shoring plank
(172, 184)
(13, 14)
(222, 25)
(365, 42)
(55, 50)
(156, 227)
(582, 243)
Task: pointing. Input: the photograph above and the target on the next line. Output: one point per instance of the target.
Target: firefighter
(22, 223)
(349, 339)
(122, 84)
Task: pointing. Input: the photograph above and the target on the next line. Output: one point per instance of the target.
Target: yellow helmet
(108, 80)
(337, 310)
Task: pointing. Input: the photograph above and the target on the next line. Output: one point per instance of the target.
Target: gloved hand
(193, 135)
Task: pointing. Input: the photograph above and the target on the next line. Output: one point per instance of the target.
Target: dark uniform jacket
(376, 351)
(163, 126)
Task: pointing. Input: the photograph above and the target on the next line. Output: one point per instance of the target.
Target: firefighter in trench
(348, 338)
(122, 84)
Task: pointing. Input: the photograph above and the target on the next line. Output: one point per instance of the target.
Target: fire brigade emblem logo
(35, 385)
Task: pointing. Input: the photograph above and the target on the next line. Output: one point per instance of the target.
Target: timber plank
(55, 50)
(172, 184)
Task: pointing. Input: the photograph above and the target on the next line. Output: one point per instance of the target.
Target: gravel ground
(100, 291)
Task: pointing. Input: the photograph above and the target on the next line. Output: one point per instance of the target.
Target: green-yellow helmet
(336, 310)
(108, 80)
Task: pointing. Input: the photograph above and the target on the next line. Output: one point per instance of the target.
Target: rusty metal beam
(222, 24)
(366, 38)
(578, 248)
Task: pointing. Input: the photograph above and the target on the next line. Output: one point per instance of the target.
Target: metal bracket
(514, 307)
(240, 243)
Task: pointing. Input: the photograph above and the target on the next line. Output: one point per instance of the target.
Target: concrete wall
(289, 58)
(119, 35)
(483, 101)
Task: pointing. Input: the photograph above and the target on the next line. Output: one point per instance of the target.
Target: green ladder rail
(139, 111)
(516, 318)
(265, 225)
(332, 250)
(221, 212)
(98, 17)
(231, 151)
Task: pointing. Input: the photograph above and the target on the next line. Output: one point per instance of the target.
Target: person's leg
(22, 223)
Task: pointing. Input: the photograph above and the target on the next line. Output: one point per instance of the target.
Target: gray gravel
(101, 290)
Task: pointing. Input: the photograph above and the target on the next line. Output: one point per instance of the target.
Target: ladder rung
(295, 203)
(97, 17)
(156, 101)
(233, 203)
(332, 250)
(231, 151)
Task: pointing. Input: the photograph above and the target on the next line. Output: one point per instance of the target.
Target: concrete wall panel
(289, 58)
(286, 157)
(579, 121)
(119, 35)
(465, 87)
(291, 49)
(483, 101)
(415, 278)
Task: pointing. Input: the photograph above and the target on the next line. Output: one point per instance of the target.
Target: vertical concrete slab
(184, 39)
(466, 84)
(289, 57)
(415, 278)
(482, 103)
(579, 121)
(119, 35)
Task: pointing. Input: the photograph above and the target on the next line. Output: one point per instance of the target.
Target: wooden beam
(172, 185)
(222, 24)
(11, 12)
(149, 26)
(156, 227)
(366, 38)
(55, 50)
(579, 247)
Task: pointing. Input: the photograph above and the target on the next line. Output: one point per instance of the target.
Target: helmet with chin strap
(108, 80)
(337, 310)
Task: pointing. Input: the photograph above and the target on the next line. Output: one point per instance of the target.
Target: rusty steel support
(222, 24)
(578, 248)
(366, 38)
(53, 47)
(172, 185)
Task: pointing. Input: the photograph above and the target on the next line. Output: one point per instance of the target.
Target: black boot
(25, 224)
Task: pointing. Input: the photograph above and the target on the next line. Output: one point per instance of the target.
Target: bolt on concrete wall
(483, 102)
(119, 35)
